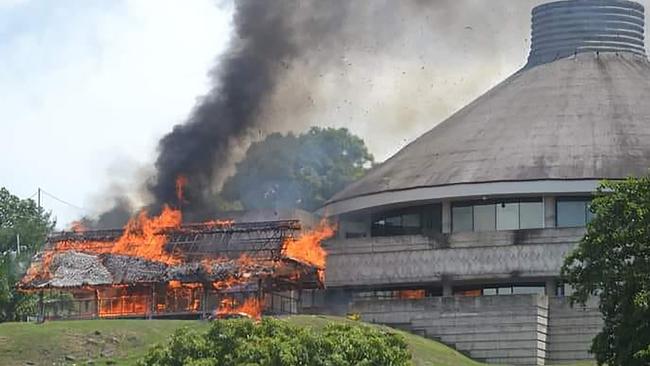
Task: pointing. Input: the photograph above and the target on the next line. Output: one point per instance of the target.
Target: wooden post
(41, 308)
(204, 301)
(96, 292)
(260, 294)
(152, 302)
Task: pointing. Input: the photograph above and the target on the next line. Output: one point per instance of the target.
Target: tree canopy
(301, 171)
(612, 262)
(272, 342)
(20, 220)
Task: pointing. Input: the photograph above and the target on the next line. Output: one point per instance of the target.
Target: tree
(25, 220)
(612, 262)
(300, 171)
(273, 342)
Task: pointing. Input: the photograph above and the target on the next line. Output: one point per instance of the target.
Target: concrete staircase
(571, 330)
(513, 330)
(516, 336)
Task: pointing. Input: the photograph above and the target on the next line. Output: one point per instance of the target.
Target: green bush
(273, 342)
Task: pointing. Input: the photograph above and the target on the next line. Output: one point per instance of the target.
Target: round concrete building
(461, 235)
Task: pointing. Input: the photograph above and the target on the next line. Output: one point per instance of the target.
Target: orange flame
(142, 236)
(411, 294)
(251, 307)
(115, 301)
(307, 248)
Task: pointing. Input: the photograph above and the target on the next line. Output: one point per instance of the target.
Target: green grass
(119, 342)
(122, 342)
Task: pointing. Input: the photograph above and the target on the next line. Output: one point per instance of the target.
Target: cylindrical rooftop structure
(565, 28)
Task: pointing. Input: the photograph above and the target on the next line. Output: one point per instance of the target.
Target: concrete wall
(458, 256)
(515, 330)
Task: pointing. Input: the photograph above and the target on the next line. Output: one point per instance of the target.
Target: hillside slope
(123, 342)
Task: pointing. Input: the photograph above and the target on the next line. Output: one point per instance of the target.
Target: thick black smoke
(262, 50)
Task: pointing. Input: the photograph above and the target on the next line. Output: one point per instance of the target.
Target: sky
(87, 88)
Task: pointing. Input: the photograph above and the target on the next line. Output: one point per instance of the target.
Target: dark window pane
(395, 221)
(571, 213)
(507, 216)
(484, 218)
(531, 215)
(411, 221)
(462, 218)
(407, 221)
(432, 219)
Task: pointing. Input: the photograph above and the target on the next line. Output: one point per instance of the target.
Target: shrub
(272, 342)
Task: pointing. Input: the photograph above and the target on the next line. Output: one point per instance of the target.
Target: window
(508, 216)
(462, 218)
(484, 218)
(526, 290)
(503, 289)
(531, 215)
(408, 221)
(489, 291)
(498, 215)
(573, 211)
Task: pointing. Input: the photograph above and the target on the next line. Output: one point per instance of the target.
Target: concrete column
(549, 212)
(447, 288)
(446, 217)
(551, 287)
(368, 225)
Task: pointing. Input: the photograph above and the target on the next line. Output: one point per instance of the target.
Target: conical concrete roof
(582, 117)
(579, 111)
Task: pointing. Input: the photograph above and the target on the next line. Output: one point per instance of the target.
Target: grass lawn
(119, 342)
(122, 342)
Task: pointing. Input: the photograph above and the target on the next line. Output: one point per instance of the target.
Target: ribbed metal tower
(564, 28)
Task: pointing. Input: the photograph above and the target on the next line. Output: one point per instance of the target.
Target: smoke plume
(387, 70)
(264, 46)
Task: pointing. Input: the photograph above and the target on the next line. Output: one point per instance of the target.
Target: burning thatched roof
(221, 253)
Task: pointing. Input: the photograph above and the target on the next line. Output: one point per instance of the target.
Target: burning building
(461, 235)
(158, 267)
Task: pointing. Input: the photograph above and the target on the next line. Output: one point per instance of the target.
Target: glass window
(572, 212)
(411, 220)
(531, 215)
(525, 290)
(505, 290)
(407, 221)
(489, 291)
(484, 218)
(462, 218)
(394, 221)
(508, 216)
(499, 215)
